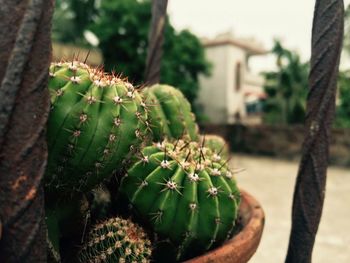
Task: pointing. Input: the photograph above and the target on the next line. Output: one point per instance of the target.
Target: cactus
(170, 113)
(185, 193)
(217, 144)
(96, 120)
(65, 223)
(116, 240)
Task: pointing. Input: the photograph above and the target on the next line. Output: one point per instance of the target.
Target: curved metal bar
(25, 54)
(155, 41)
(327, 36)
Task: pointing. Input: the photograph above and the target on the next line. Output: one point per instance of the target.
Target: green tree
(71, 18)
(343, 109)
(184, 59)
(125, 45)
(286, 88)
(346, 45)
(122, 28)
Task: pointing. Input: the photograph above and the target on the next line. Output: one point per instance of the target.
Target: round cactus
(186, 193)
(96, 120)
(217, 144)
(170, 113)
(116, 240)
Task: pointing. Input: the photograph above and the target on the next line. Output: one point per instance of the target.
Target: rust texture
(155, 41)
(25, 53)
(309, 193)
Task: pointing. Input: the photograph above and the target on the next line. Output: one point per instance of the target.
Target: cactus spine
(96, 120)
(185, 193)
(116, 240)
(170, 113)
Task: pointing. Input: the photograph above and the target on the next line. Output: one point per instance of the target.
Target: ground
(272, 183)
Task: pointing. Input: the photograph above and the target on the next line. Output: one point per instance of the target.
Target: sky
(287, 20)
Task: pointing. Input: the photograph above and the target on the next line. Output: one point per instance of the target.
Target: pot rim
(243, 245)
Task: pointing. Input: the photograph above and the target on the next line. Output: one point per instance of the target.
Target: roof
(250, 45)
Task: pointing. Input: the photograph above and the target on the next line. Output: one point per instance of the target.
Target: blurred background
(243, 65)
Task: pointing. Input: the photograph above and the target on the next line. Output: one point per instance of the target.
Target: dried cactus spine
(94, 122)
(185, 194)
(170, 113)
(116, 240)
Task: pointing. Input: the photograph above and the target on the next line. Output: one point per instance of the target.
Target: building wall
(253, 82)
(235, 98)
(218, 96)
(212, 95)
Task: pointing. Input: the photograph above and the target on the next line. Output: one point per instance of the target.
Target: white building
(232, 93)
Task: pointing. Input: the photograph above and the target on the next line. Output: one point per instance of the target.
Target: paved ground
(272, 183)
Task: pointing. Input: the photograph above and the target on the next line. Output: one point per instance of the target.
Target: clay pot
(243, 245)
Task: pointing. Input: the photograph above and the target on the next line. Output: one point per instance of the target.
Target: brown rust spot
(18, 182)
(31, 194)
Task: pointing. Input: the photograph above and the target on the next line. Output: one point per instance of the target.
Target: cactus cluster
(180, 186)
(116, 240)
(170, 113)
(185, 192)
(96, 120)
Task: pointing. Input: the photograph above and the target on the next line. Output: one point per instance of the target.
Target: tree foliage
(286, 88)
(346, 45)
(343, 109)
(71, 18)
(122, 28)
(184, 60)
(343, 105)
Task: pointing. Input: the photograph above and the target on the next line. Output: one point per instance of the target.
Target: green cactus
(217, 144)
(96, 120)
(116, 240)
(65, 221)
(170, 113)
(185, 193)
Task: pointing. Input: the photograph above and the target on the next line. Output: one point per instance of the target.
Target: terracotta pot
(243, 245)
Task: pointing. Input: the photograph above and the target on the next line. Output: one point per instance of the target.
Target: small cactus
(217, 144)
(96, 120)
(170, 113)
(185, 193)
(116, 240)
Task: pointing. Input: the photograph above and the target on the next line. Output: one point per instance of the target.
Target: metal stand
(25, 54)
(327, 36)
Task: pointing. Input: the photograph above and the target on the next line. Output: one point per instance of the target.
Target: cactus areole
(185, 194)
(170, 113)
(96, 121)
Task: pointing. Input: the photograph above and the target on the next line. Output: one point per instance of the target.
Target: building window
(254, 107)
(238, 77)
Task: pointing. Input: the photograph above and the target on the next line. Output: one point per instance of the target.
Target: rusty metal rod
(309, 193)
(155, 42)
(25, 54)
